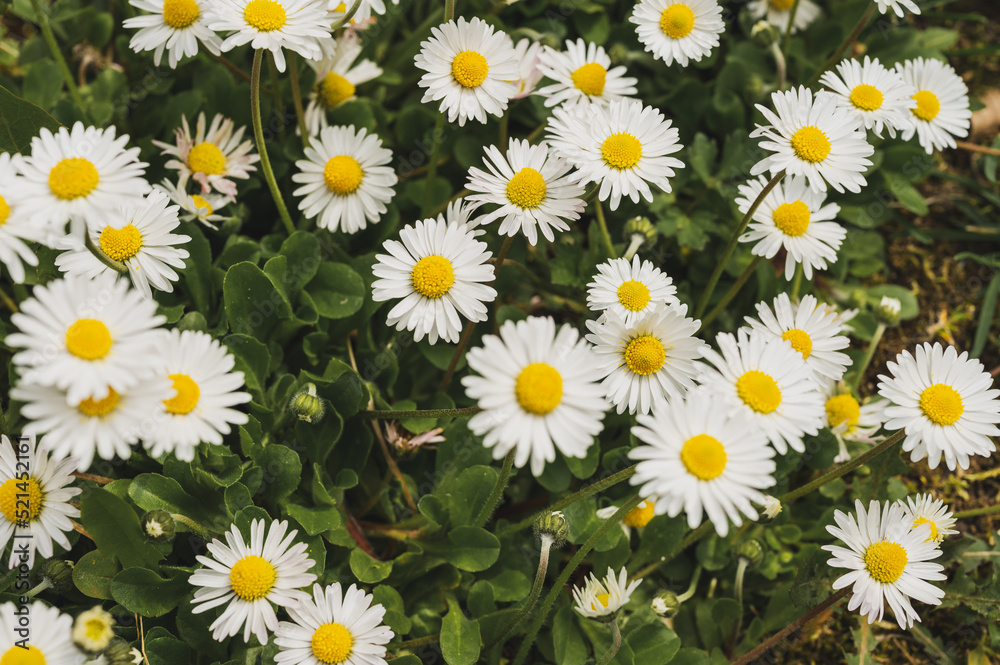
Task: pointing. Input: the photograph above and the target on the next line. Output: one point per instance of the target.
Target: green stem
(741, 569)
(977, 512)
(535, 133)
(504, 124)
(194, 526)
(438, 139)
(258, 133)
(851, 38)
(342, 21)
(633, 246)
(449, 10)
(752, 656)
(604, 229)
(420, 641)
(494, 498)
(536, 591)
(300, 114)
(689, 540)
(117, 266)
(389, 414)
(788, 30)
(592, 194)
(796, 283)
(780, 64)
(43, 22)
(616, 643)
(692, 587)
(38, 588)
(869, 354)
(731, 293)
(8, 301)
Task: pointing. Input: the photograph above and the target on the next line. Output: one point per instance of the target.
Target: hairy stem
(869, 354)
(536, 591)
(258, 133)
(389, 414)
(300, 114)
(438, 138)
(731, 293)
(616, 643)
(42, 14)
(839, 53)
(604, 229)
(494, 498)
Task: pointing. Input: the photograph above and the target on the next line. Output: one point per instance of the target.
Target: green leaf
(471, 548)
(653, 644)
(908, 195)
(368, 569)
(115, 529)
(567, 640)
(93, 573)
(253, 306)
(460, 638)
(144, 592)
(315, 520)
(336, 290)
(167, 651)
(43, 83)
(395, 611)
(252, 358)
(469, 492)
(909, 307)
(151, 491)
(691, 657)
(197, 269)
(702, 153)
(20, 121)
(282, 470)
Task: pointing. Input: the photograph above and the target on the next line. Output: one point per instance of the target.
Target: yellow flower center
(589, 79)
(187, 395)
(633, 295)
(603, 599)
(842, 410)
(640, 515)
(206, 157)
(527, 188)
(343, 175)
(24, 490)
(792, 219)
(811, 144)
(781, 5)
(201, 203)
(72, 178)
(622, 150)
(331, 643)
(867, 97)
(704, 457)
(19, 656)
(645, 355)
(97, 630)
(759, 391)
(928, 105)
(334, 90)
(433, 276)
(121, 244)
(800, 340)
(677, 21)
(941, 404)
(180, 13)
(252, 577)
(469, 69)
(539, 388)
(265, 15)
(917, 522)
(885, 561)
(89, 339)
(4, 211)
(99, 408)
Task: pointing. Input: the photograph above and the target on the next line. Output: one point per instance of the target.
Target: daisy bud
(59, 575)
(307, 405)
(158, 526)
(119, 653)
(666, 604)
(93, 630)
(751, 551)
(887, 312)
(763, 34)
(639, 231)
(554, 526)
(771, 508)
(619, 54)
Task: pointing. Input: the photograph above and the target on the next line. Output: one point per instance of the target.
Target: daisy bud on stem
(750, 553)
(639, 231)
(666, 604)
(56, 574)
(307, 405)
(118, 653)
(158, 526)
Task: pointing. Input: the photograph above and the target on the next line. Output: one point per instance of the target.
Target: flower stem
(634, 245)
(741, 569)
(688, 541)
(788, 31)
(504, 124)
(536, 591)
(300, 114)
(342, 21)
(616, 643)
(780, 64)
(851, 38)
(38, 588)
(449, 10)
(869, 354)
(389, 414)
(692, 587)
(194, 526)
(258, 133)
(41, 13)
(494, 498)
(438, 138)
(731, 293)
(117, 266)
(796, 283)
(977, 512)
(604, 229)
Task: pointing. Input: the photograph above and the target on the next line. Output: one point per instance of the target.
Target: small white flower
(600, 598)
(583, 75)
(925, 509)
(175, 26)
(849, 419)
(48, 642)
(93, 630)
(776, 13)
(771, 506)
(678, 30)
(298, 25)
(195, 207)
(879, 97)
(890, 306)
(898, 6)
(15, 228)
(630, 290)
(337, 77)
(527, 54)
(636, 518)
(942, 109)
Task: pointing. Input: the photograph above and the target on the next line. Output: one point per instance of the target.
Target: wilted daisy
(211, 157)
(769, 381)
(583, 75)
(440, 271)
(85, 337)
(630, 290)
(195, 207)
(636, 518)
(698, 457)
(815, 138)
(600, 598)
(15, 228)
(174, 26)
(944, 401)
(249, 577)
(877, 96)
(527, 53)
(849, 419)
(678, 30)
(942, 103)
(334, 626)
(539, 390)
(48, 641)
(622, 145)
(898, 6)
(888, 561)
(533, 189)
(470, 67)
(34, 501)
(925, 509)
(337, 77)
(776, 12)
(794, 218)
(298, 25)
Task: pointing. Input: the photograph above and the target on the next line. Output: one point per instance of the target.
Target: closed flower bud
(751, 551)
(554, 526)
(307, 405)
(640, 226)
(771, 508)
(666, 604)
(158, 526)
(119, 653)
(619, 54)
(887, 312)
(59, 574)
(763, 34)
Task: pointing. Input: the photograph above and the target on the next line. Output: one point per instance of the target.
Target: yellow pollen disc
(622, 150)
(842, 410)
(527, 188)
(331, 643)
(645, 355)
(9, 492)
(917, 522)
(677, 21)
(801, 341)
(72, 178)
(97, 629)
(18, 656)
(928, 105)
(334, 90)
(433, 276)
(121, 244)
(343, 175)
(704, 457)
(187, 395)
(758, 391)
(200, 202)
(89, 339)
(252, 577)
(640, 515)
(633, 295)
(603, 599)
(4, 211)
(792, 219)
(206, 157)
(539, 388)
(180, 13)
(811, 144)
(99, 408)
(589, 79)
(781, 5)
(469, 69)
(885, 561)
(265, 15)
(867, 97)
(941, 404)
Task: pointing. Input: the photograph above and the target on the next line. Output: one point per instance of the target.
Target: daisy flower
(887, 559)
(794, 218)
(86, 337)
(697, 457)
(195, 207)
(93, 630)
(898, 6)
(877, 96)
(139, 237)
(636, 518)
(539, 390)
(334, 626)
(815, 138)
(206, 390)
(925, 509)
(471, 69)
(175, 26)
(849, 419)
(678, 30)
(15, 228)
(210, 157)
(583, 75)
(49, 639)
(532, 187)
(337, 77)
(46, 517)
(776, 13)
(298, 25)
(945, 403)
(942, 103)
(630, 290)
(600, 598)
(365, 10)
(440, 271)
(527, 54)
(645, 362)
(768, 380)
(622, 145)
(811, 329)
(461, 211)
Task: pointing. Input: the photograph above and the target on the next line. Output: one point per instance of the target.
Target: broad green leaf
(315, 521)
(93, 573)
(460, 638)
(690, 656)
(368, 569)
(567, 640)
(653, 644)
(395, 610)
(336, 290)
(253, 306)
(115, 528)
(471, 548)
(469, 492)
(144, 592)
(21, 121)
(702, 153)
(282, 470)
(252, 358)
(43, 83)
(151, 491)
